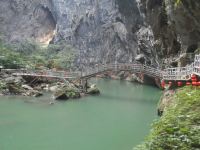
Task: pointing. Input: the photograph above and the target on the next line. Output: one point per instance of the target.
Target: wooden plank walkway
(178, 73)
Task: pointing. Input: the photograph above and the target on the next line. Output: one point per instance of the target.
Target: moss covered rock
(66, 93)
(93, 91)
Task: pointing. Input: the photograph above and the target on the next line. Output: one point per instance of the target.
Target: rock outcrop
(107, 30)
(12, 85)
(175, 27)
(64, 93)
(104, 31)
(93, 90)
(27, 19)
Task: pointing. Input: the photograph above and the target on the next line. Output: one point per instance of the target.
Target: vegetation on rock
(33, 56)
(177, 2)
(179, 127)
(66, 92)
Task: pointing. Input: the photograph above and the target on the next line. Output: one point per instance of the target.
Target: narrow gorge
(107, 31)
(44, 44)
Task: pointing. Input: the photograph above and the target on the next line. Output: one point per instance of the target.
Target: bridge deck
(178, 73)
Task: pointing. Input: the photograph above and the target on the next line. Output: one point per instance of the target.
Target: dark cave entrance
(192, 48)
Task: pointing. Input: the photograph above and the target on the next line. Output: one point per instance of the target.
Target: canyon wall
(26, 20)
(157, 31)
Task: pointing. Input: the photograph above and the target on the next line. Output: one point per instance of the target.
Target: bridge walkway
(177, 73)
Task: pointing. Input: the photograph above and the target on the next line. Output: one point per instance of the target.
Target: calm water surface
(118, 119)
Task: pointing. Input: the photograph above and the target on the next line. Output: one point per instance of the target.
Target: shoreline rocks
(14, 85)
(65, 93)
(165, 101)
(131, 77)
(93, 90)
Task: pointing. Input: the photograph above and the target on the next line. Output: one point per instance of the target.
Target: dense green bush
(177, 2)
(10, 58)
(179, 127)
(2, 85)
(31, 55)
(60, 55)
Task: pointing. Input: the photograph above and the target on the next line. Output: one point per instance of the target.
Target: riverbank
(179, 126)
(34, 87)
(131, 76)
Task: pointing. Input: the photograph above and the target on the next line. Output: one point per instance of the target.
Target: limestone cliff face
(176, 28)
(103, 30)
(106, 30)
(21, 20)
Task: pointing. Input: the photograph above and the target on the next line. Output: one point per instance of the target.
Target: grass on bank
(179, 127)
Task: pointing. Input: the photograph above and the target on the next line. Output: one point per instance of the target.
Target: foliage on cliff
(32, 56)
(179, 127)
(9, 58)
(177, 2)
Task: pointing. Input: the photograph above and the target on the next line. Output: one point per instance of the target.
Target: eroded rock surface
(27, 20)
(107, 30)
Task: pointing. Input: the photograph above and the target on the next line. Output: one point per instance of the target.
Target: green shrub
(31, 55)
(177, 2)
(10, 58)
(2, 85)
(179, 127)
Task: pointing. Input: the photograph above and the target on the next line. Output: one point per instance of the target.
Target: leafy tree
(31, 55)
(177, 2)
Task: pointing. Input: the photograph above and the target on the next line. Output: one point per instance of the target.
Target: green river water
(118, 119)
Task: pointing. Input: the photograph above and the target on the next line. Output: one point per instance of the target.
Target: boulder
(16, 80)
(73, 93)
(93, 91)
(53, 88)
(38, 94)
(15, 89)
(14, 85)
(60, 95)
(93, 86)
(65, 93)
(121, 74)
(33, 93)
(27, 87)
(165, 101)
(140, 58)
(132, 78)
(43, 85)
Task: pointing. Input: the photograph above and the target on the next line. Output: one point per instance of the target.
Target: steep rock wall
(107, 30)
(176, 27)
(103, 30)
(25, 20)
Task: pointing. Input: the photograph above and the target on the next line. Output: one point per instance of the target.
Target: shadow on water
(138, 99)
(128, 91)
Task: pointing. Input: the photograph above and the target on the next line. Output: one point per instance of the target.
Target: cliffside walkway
(92, 72)
(178, 73)
(182, 73)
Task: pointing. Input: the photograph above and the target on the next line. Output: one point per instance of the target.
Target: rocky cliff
(107, 30)
(103, 30)
(175, 25)
(21, 20)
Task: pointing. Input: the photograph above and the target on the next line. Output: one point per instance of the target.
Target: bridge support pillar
(84, 84)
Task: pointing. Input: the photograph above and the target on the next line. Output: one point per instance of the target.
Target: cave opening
(48, 23)
(192, 48)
